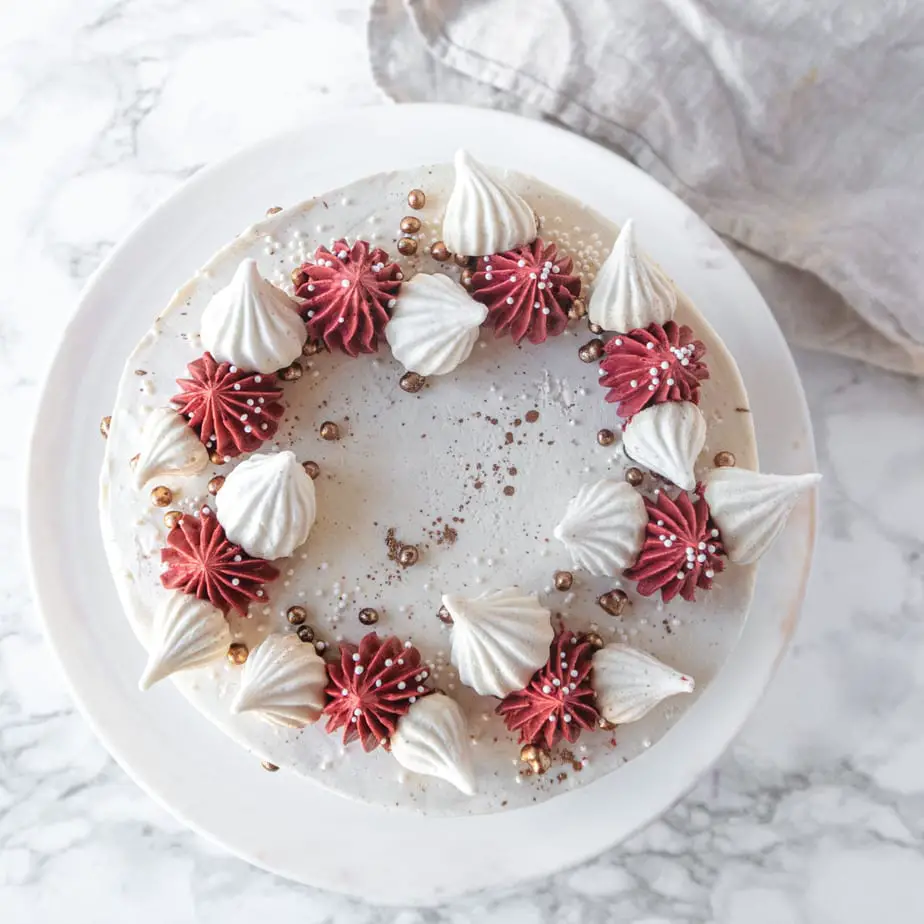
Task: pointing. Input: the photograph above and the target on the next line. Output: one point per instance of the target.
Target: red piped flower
(349, 295)
(528, 291)
(372, 687)
(651, 366)
(559, 700)
(203, 562)
(232, 411)
(682, 548)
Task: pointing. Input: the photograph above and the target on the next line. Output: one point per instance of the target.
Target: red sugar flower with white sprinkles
(559, 700)
(653, 365)
(371, 687)
(349, 295)
(682, 550)
(203, 562)
(528, 291)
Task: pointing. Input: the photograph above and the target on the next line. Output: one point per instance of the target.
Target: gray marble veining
(815, 816)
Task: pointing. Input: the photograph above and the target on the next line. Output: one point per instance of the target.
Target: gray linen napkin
(794, 128)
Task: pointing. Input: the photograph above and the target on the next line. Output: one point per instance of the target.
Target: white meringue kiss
(267, 505)
(434, 325)
(483, 216)
(667, 438)
(168, 447)
(253, 324)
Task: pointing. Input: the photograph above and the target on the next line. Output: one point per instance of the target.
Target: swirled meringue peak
(629, 683)
(433, 739)
(667, 438)
(187, 633)
(499, 639)
(751, 509)
(253, 324)
(483, 216)
(267, 505)
(168, 447)
(283, 682)
(630, 291)
(604, 527)
(434, 325)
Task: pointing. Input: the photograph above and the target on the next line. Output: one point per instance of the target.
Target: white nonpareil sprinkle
(358, 669)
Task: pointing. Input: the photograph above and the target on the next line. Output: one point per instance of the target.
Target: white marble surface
(816, 816)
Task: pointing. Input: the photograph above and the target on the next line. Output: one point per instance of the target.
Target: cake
(437, 491)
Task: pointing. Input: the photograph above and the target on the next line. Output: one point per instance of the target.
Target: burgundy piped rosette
(200, 560)
(348, 296)
(682, 551)
(558, 702)
(652, 365)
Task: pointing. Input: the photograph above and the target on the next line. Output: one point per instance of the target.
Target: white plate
(299, 830)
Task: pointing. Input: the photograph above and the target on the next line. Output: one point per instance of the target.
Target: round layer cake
(516, 642)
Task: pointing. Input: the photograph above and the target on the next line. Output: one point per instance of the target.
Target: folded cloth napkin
(795, 128)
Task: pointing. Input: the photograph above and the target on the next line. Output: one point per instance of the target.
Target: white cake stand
(281, 822)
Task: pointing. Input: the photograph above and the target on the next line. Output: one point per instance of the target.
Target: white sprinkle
(546, 688)
(665, 364)
(388, 662)
(488, 277)
(567, 717)
(618, 341)
(510, 301)
(715, 534)
(649, 346)
(633, 383)
(356, 656)
(345, 283)
(401, 685)
(520, 263)
(235, 581)
(680, 575)
(700, 557)
(392, 302)
(709, 573)
(358, 669)
(546, 310)
(541, 285)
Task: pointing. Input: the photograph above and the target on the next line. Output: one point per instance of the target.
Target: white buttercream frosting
(432, 738)
(434, 325)
(252, 323)
(499, 639)
(267, 504)
(629, 683)
(168, 447)
(751, 509)
(283, 681)
(630, 290)
(187, 632)
(667, 438)
(483, 216)
(604, 527)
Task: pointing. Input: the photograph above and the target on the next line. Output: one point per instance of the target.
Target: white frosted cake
(436, 491)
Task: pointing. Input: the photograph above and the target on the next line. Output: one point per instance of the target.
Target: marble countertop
(815, 816)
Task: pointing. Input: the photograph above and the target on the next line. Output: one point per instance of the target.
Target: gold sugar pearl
(312, 347)
(613, 602)
(440, 252)
(299, 277)
(161, 496)
(577, 310)
(306, 634)
(563, 580)
(172, 518)
(291, 373)
(411, 382)
(416, 199)
(606, 437)
(296, 615)
(214, 485)
(368, 616)
(410, 224)
(408, 555)
(407, 246)
(329, 431)
(591, 351)
(594, 328)
(724, 459)
(466, 278)
(537, 758)
(605, 724)
(635, 476)
(461, 260)
(273, 209)
(216, 458)
(104, 426)
(594, 640)
(444, 616)
(312, 469)
(237, 653)
(266, 765)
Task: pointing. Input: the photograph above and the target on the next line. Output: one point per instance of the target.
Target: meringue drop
(604, 527)
(499, 639)
(484, 216)
(751, 509)
(283, 681)
(432, 738)
(253, 324)
(629, 683)
(630, 290)
(667, 438)
(168, 447)
(187, 632)
(267, 505)
(434, 325)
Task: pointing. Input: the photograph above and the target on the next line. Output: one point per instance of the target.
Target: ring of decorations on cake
(551, 684)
